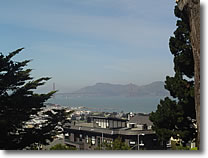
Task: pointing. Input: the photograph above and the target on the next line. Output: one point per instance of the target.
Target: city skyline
(80, 43)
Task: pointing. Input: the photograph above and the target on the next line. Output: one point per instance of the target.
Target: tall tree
(192, 9)
(17, 99)
(176, 117)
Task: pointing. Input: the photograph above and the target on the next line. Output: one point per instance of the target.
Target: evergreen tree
(17, 99)
(192, 9)
(35, 137)
(176, 117)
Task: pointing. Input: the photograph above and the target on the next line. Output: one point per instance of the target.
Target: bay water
(110, 104)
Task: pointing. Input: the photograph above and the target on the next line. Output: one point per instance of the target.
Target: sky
(82, 42)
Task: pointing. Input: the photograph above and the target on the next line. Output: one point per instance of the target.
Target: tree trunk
(193, 9)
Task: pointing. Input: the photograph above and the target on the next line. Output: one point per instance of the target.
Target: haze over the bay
(81, 43)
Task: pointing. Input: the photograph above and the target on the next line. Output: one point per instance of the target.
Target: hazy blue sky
(82, 42)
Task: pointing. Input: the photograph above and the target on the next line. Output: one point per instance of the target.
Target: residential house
(89, 136)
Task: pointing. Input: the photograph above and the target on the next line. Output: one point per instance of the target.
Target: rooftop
(141, 119)
(88, 127)
(109, 118)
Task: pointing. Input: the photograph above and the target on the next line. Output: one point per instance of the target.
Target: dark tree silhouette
(176, 117)
(192, 9)
(17, 99)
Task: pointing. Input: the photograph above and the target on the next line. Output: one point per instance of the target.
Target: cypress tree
(176, 117)
(17, 99)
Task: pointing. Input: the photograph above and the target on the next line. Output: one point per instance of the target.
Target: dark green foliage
(176, 117)
(117, 144)
(17, 99)
(195, 148)
(44, 135)
(62, 147)
(178, 146)
(164, 119)
(180, 46)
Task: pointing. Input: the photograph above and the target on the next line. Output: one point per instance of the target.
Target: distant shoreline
(109, 104)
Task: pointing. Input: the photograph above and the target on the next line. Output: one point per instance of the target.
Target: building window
(115, 124)
(99, 140)
(141, 143)
(107, 123)
(99, 122)
(66, 135)
(80, 137)
(87, 139)
(144, 126)
(124, 124)
(119, 124)
(104, 123)
(93, 140)
(132, 143)
(111, 123)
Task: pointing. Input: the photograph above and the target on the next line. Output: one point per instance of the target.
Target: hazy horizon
(81, 43)
(102, 83)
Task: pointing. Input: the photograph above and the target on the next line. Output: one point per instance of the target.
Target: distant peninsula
(129, 90)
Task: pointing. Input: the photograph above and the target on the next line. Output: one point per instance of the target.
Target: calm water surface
(110, 104)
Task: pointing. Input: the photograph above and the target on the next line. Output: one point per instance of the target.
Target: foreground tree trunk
(192, 7)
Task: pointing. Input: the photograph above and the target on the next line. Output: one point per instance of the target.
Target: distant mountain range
(129, 90)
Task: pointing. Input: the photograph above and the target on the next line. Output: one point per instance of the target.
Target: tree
(62, 147)
(192, 9)
(117, 144)
(176, 117)
(17, 99)
(35, 137)
(164, 119)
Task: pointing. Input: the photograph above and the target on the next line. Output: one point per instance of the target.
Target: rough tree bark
(192, 7)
